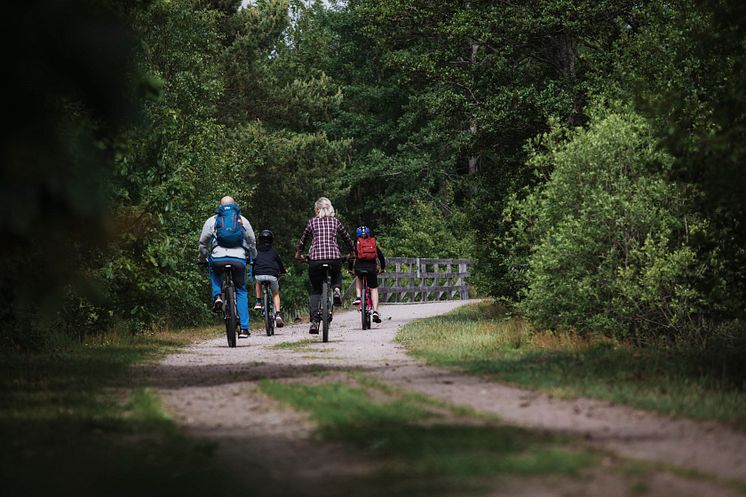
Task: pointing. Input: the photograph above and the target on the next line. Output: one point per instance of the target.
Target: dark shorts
(369, 268)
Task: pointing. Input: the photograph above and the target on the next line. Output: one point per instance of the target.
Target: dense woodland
(587, 155)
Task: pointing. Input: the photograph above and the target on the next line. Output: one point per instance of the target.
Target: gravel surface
(211, 390)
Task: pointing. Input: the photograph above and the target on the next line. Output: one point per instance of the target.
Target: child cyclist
(268, 267)
(367, 252)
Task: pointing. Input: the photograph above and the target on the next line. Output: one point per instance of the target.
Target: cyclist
(367, 251)
(268, 267)
(323, 230)
(227, 239)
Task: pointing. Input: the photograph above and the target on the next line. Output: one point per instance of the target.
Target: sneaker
(244, 333)
(376, 317)
(217, 305)
(314, 328)
(257, 306)
(356, 301)
(278, 320)
(337, 297)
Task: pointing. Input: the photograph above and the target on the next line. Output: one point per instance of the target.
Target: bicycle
(326, 304)
(230, 305)
(268, 309)
(366, 303)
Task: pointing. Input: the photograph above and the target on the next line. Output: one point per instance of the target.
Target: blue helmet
(363, 230)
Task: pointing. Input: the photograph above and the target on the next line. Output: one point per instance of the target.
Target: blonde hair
(324, 207)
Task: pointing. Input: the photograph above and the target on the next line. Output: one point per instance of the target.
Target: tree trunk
(473, 159)
(567, 53)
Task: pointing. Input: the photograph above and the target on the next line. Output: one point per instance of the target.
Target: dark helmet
(266, 236)
(363, 230)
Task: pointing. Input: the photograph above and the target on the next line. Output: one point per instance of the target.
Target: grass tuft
(305, 345)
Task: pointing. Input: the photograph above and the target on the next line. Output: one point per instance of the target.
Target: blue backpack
(229, 228)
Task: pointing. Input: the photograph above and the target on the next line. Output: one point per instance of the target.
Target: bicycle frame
(326, 304)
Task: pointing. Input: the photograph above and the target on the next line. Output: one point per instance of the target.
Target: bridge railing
(414, 279)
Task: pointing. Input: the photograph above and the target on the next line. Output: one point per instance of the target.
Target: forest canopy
(586, 155)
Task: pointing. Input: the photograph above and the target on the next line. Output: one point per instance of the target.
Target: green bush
(608, 234)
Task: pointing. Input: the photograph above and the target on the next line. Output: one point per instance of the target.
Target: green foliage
(608, 234)
(425, 232)
(691, 89)
(196, 142)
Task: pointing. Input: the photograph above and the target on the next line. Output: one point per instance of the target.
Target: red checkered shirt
(324, 231)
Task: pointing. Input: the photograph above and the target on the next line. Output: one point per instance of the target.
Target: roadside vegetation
(702, 382)
(72, 424)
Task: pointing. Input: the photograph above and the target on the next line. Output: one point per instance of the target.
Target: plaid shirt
(324, 231)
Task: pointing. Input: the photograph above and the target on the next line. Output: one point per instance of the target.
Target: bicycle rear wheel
(364, 304)
(325, 309)
(269, 321)
(369, 311)
(231, 317)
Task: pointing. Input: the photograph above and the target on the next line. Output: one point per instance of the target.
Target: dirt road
(212, 391)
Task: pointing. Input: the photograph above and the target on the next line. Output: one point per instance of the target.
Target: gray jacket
(208, 246)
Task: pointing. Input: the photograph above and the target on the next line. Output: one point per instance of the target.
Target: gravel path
(212, 391)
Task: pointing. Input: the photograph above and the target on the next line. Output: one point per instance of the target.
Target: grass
(304, 345)
(371, 382)
(482, 340)
(65, 433)
(423, 450)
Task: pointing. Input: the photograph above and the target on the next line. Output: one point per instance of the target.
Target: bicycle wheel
(269, 322)
(230, 315)
(325, 308)
(369, 311)
(364, 304)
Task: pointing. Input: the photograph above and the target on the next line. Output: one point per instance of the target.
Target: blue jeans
(238, 269)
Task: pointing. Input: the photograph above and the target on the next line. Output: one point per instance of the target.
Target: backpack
(229, 228)
(366, 248)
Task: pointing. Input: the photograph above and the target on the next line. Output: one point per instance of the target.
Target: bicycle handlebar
(340, 260)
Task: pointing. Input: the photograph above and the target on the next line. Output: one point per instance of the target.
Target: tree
(683, 65)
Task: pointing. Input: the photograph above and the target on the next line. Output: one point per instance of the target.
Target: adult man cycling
(227, 239)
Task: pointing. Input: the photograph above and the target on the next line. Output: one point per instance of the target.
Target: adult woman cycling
(323, 230)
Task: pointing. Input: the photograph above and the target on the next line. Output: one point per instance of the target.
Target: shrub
(608, 233)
